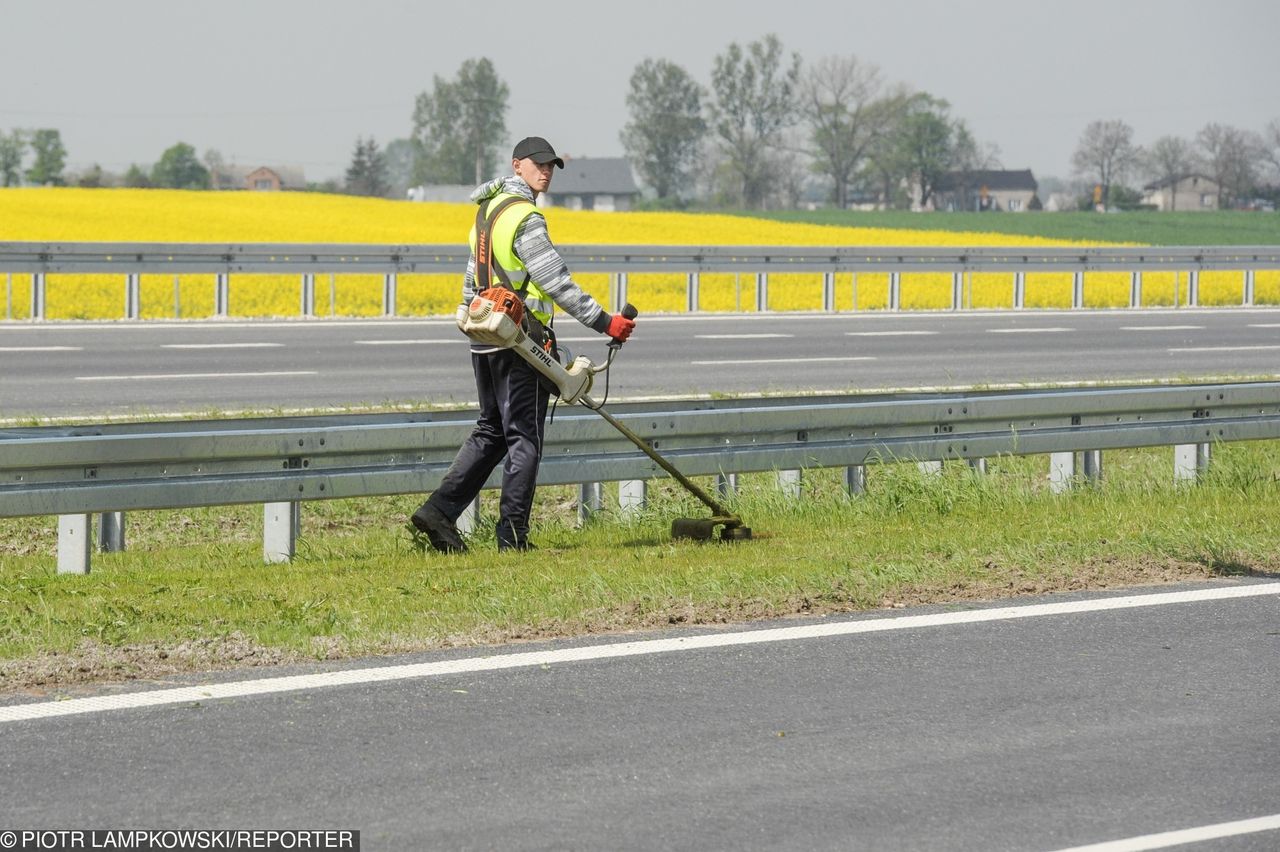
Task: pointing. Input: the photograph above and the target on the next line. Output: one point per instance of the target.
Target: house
(593, 183)
(258, 178)
(1193, 192)
(442, 193)
(986, 189)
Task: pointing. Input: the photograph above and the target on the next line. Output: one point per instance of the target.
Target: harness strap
(486, 269)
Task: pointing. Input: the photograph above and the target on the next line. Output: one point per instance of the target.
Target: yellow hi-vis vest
(536, 300)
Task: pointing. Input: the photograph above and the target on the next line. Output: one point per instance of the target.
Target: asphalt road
(1028, 733)
(64, 369)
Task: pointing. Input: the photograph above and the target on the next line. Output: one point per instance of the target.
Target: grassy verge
(192, 592)
(1224, 227)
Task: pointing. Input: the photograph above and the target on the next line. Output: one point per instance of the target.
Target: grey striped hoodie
(541, 260)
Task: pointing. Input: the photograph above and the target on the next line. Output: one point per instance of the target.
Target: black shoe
(440, 531)
(524, 545)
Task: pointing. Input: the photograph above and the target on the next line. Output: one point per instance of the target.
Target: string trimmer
(494, 319)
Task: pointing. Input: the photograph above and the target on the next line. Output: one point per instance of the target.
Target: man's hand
(620, 328)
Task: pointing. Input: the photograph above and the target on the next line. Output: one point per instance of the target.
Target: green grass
(192, 591)
(1225, 227)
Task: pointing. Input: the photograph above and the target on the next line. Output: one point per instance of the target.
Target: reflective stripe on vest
(536, 300)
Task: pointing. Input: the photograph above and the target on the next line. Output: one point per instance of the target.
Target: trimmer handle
(628, 311)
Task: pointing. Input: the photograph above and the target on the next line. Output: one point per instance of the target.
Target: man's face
(538, 176)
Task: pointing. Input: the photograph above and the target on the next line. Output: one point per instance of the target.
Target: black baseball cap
(537, 149)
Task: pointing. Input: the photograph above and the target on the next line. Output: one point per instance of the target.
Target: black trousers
(513, 408)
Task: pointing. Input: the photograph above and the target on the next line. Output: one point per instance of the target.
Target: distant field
(1229, 227)
(131, 215)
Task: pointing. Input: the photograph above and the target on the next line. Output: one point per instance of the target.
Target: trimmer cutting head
(704, 529)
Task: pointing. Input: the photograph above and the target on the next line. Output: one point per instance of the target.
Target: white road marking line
(41, 348)
(886, 333)
(1224, 348)
(1049, 330)
(146, 376)
(1264, 325)
(219, 345)
(1186, 835)
(761, 336)
(402, 342)
(614, 650)
(780, 361)
(1160, 327)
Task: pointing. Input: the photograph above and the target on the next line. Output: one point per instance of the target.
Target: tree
(884, 168)
(399, 156)
(137, 177)
(94, 178)
(459, 126)
(843, 101)
(1232, 156)
(1271, 147)
(1106, 152)
(754, 102)
(13, 147)
(1170, 159)
(925, 143)
(180, 168)
(367, 174)
(664, 137)
(50, 157)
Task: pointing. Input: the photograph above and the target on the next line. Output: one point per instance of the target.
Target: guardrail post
(469, 520)
(1135, 288)
(726, 484)
(37, 296)
(1019, 290)
(895, 291)
(1077, 290)
(590, 501)
(1248, 288)
(280, 525)
(853, 287)
(631, 497)
(221, 294)
(1193, 289)
(691, 292)
(762, 291)
(132, 296)
(1190, 461)
(1062, 472)
(618, 291)
(308, 299)
(111, 532)
(177, 298)
(855, 480)
(930, 468)
(957, 290)
(828, 291)
(1092, 465)
(73, 544)
(978, 466)
(389, 294)
(790, 483)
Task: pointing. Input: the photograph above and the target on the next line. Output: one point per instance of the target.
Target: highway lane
(921, 732)
(70, 369)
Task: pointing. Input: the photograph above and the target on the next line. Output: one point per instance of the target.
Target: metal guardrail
(307, 260)
(280, 462)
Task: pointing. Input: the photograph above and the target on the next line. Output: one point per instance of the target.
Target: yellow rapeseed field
(131, 215)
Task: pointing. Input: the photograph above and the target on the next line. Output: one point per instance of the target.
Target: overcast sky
(289, 82)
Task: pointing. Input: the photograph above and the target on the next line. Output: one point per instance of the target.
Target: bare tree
(1271, 147)
(1171, 159)
(754, 102)
(1106, 152)
(842, 100)
(1232, 156)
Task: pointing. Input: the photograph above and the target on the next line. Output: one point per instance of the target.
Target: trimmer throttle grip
(629, 311)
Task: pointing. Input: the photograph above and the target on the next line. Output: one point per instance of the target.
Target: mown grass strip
(193, 593)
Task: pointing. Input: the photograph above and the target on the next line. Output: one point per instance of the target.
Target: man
(513, 401)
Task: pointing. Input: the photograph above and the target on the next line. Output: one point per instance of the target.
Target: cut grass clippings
(192, 592)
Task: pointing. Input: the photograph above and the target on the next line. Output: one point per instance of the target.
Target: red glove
(620, 328)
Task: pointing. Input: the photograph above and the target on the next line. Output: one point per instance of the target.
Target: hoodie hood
(513, 184)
